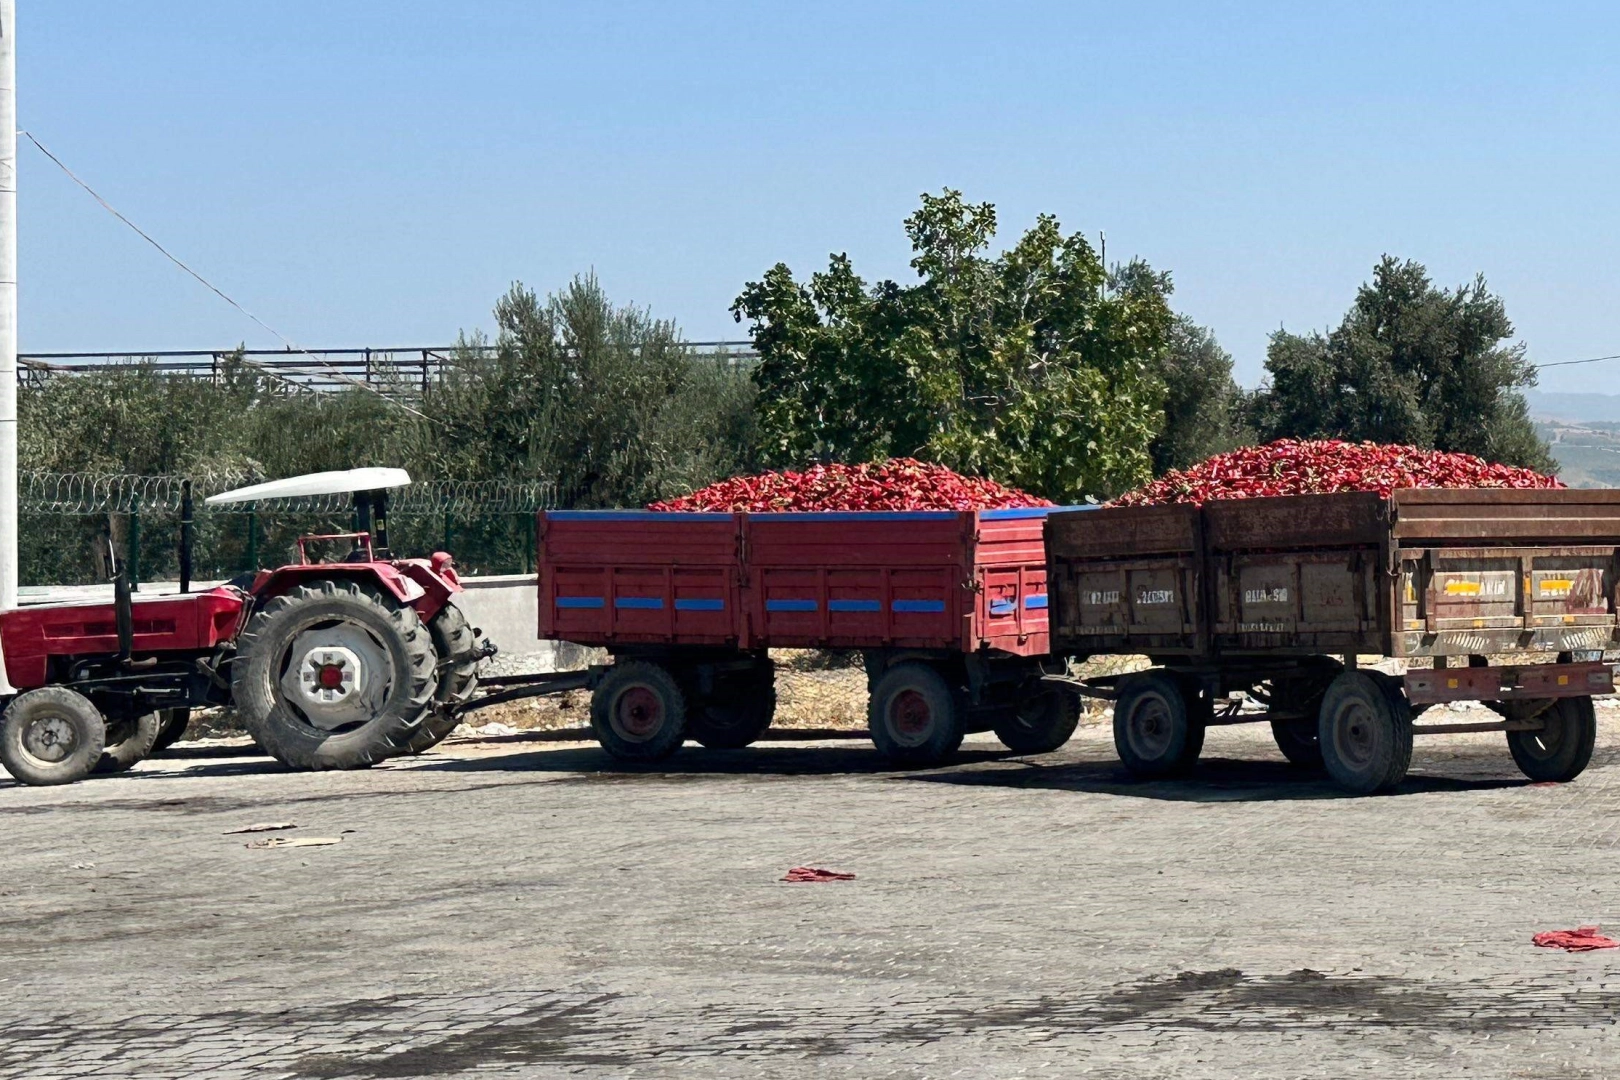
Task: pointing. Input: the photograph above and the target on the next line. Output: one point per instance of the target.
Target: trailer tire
(175, 722)
(51, 735)
(638, 712)
(1300, 692)
(914, 715)
(348, 726)
(738, 713)
(1365, 732)
(1039, 723)
(128, 743)
(456, 642)
(1562, 749)
(1153, 731)
(1298, 741)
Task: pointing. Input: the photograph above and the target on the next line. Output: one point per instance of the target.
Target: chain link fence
(66, 521)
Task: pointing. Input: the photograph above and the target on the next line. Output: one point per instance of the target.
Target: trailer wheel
(1040, 723)
(175, 722)
(1561, 750)
(638, 712)
(333, 676)
(128, 743)
(914, 716)
(738, 713)
(1297, 739)
(457, 645)
(1365, 732)
(51, 735)
(1153, 731)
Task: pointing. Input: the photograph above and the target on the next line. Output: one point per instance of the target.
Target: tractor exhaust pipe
(123, 613)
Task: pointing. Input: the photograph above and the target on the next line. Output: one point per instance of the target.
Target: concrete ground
(520, 907)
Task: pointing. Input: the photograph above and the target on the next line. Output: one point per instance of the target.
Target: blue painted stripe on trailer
(580, 602)
(639, 603)
(919, 607)
(854, 605)
(1002, 607)
(690, 603)
(790, 605)
(1036, 601)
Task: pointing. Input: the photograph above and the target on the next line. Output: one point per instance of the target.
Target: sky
(377, 174)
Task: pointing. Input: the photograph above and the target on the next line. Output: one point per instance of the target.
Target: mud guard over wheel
(915, 716)
(639, 712)
(334, 676)
(51, 735)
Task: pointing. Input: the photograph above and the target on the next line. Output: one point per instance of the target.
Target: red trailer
(948, 609)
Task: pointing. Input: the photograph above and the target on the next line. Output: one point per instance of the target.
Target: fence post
(446, 531)
(253, 537)
(185, 535)
(133, 557)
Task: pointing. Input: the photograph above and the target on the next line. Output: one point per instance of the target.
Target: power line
(211, 287)
(1572, 363)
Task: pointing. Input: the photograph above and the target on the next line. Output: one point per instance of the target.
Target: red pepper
(897, 484)
(1305, 467)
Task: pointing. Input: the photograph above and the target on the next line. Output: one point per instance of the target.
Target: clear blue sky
(366, 173)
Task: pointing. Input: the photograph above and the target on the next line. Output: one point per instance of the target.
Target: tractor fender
(385, 575)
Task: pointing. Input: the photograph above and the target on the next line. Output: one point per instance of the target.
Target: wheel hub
(638, 714)
(1150, 728)
(910, 719)
(1353, 735)
(337, 675)
(50, 739)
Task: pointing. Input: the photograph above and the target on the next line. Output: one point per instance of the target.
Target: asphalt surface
(525, 908)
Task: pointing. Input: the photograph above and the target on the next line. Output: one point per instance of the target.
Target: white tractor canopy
(324, 483)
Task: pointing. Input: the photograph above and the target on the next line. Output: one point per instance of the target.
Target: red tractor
(330, 664)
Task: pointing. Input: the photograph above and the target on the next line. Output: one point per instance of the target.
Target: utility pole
(8, 306)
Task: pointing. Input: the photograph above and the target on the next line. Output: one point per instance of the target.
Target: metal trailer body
(958, 599)
(1246, 592)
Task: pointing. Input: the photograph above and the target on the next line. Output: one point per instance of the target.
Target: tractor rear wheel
(51, 735)
(457, 645)
(129, 742)
(333, 675)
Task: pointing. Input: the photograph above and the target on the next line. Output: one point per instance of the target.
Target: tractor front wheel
(334, 676)
(52, 735)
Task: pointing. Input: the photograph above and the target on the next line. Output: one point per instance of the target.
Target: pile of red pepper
(897, 484)
(1306, 467)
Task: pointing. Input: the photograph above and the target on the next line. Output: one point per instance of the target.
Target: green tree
(1203, 406)
(605, 400)
(1020, 366)
(1410, 363)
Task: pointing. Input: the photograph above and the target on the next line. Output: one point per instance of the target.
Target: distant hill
(1588, 454)
(1580, 408)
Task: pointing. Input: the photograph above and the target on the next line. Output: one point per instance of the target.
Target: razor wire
(88, 494)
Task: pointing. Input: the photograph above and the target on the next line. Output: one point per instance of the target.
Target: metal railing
(401, 369)
(488, 524)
